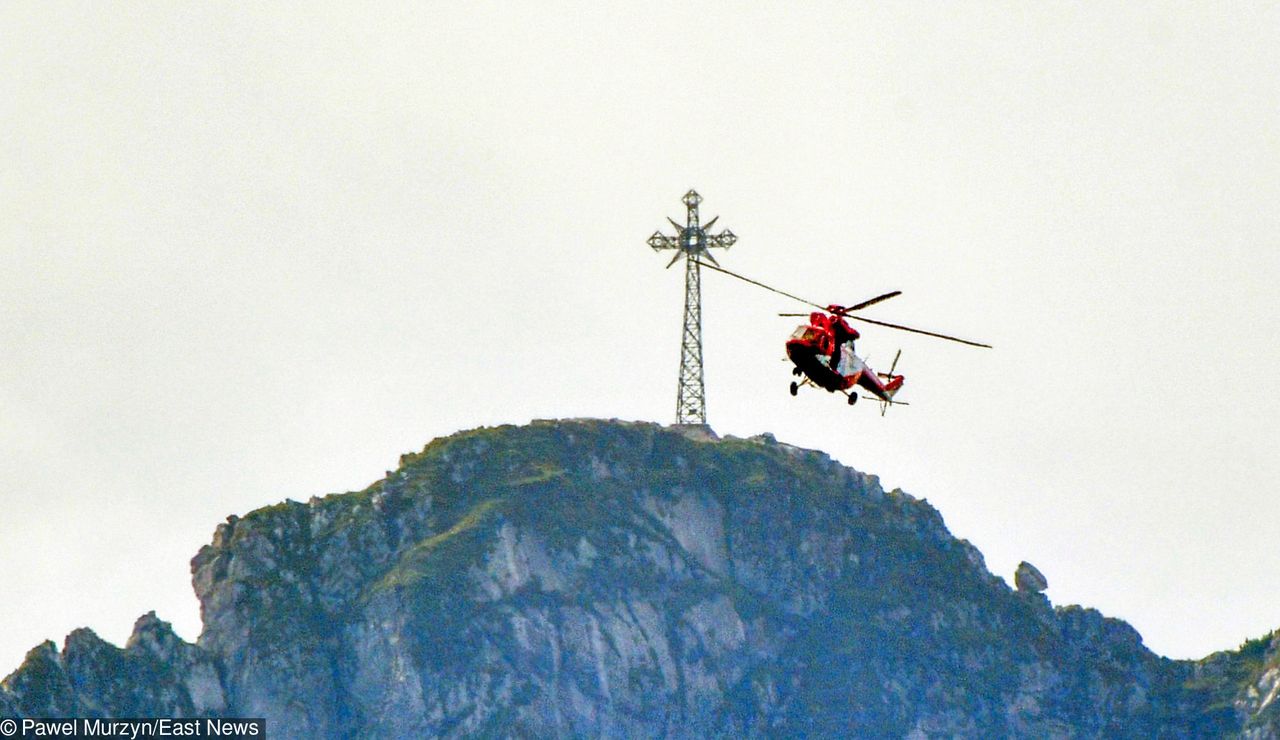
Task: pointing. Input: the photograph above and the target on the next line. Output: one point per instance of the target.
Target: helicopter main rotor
(843, 311)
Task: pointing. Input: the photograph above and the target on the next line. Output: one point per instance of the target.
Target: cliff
(607, 578)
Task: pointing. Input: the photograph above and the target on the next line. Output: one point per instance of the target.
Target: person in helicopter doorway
(842, 334)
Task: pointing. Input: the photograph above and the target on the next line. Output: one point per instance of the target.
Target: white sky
(250, 253)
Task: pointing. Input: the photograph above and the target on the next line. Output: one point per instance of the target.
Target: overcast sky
(251, 252)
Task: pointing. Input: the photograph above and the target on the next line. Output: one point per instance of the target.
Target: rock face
(156, 674)
(610, 579)
(1029, 578)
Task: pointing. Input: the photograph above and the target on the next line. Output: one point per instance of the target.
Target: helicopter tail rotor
(892, 386)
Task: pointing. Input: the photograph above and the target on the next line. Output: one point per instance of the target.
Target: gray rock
(1029, 578)
(157, 674)
(595, 578)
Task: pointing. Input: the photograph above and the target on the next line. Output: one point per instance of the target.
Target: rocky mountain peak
(609, 578)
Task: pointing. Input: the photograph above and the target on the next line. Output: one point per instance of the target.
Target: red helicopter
(823, 349)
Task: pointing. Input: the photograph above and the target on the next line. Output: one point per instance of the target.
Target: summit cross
(692, 242)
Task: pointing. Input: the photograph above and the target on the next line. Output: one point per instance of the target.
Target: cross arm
(661, 241)
(724, 239)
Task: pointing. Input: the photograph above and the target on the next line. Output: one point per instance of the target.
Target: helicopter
(822, 353)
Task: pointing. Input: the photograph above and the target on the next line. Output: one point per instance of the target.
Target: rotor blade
(919, 331)
(709, 256)
(679, 228)
(793, 314)
(873, 301)
(707, 225)
(846, 315)
(673, 259)
(761, 285)
(881, 400)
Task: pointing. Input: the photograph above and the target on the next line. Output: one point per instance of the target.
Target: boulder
(1029, 578)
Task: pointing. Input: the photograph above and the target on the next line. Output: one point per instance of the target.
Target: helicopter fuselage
(810, 348)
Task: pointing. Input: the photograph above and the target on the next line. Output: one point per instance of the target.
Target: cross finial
(692, 239)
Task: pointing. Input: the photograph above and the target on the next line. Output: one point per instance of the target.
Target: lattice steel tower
(692, 242)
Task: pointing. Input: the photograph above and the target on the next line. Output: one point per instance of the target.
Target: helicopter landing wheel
(853, 398)
(796, 371)
(794, 389)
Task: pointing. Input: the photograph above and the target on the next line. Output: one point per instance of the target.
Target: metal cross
(692, 242)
